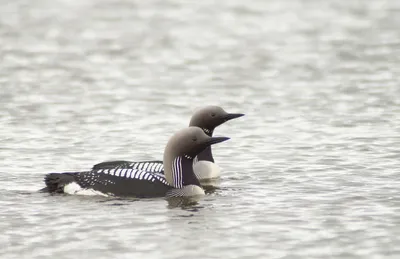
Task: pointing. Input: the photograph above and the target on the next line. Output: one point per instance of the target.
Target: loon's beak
(215, 140)
(231, 116)
(206, 142)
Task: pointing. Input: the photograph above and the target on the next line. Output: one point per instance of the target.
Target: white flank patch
(74, 189)
(206, 170)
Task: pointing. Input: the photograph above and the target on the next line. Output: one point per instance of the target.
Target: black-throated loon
(204, 167)
(178, 180)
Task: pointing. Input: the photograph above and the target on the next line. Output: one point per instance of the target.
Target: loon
(204, 167)
(178, 180)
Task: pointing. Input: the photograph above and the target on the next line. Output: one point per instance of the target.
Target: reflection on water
(183, 202)
(211, 185)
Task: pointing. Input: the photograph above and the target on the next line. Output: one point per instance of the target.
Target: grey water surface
(311, 171)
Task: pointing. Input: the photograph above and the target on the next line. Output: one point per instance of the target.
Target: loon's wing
(154, 166)
(111, 164)
(118, 182)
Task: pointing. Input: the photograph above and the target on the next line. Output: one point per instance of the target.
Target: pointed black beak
(215, 140)
(206, 142)
(231, 116)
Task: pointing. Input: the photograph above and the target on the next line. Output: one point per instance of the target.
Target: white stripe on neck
(177, 172)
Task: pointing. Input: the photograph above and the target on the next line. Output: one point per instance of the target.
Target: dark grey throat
(182, 171)
(206, 155)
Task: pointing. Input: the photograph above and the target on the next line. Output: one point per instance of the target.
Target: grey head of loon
(208, 118)
(179, 153)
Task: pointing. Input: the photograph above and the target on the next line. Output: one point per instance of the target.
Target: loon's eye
(212, 114)
(194, 139)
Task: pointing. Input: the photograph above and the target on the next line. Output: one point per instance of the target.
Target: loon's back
(154, 166)
(120, 182)
(205, 171)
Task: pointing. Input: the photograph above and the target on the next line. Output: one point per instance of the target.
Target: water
(311, 171)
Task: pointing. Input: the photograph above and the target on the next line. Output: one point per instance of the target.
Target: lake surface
(311, 171)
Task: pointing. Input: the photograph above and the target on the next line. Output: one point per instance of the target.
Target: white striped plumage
(135, 174)
(118, 172)
(141, 174)
(153, 167)
(132, 174)
(159, 167)
(177, 172)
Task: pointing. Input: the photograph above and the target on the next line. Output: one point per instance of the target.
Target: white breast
(205, 170)
(186, 191)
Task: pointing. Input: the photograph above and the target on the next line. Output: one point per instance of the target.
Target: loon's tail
(55, 182)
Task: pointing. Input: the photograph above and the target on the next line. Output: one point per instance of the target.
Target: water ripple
(311, 171)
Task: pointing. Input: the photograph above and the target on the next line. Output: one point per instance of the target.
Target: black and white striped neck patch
(207, 130)
(177, 172)
(137, 174)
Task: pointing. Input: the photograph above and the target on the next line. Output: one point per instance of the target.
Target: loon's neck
(206, 155)
(182, 172)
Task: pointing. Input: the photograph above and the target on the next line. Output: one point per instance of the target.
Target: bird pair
(187, 164)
